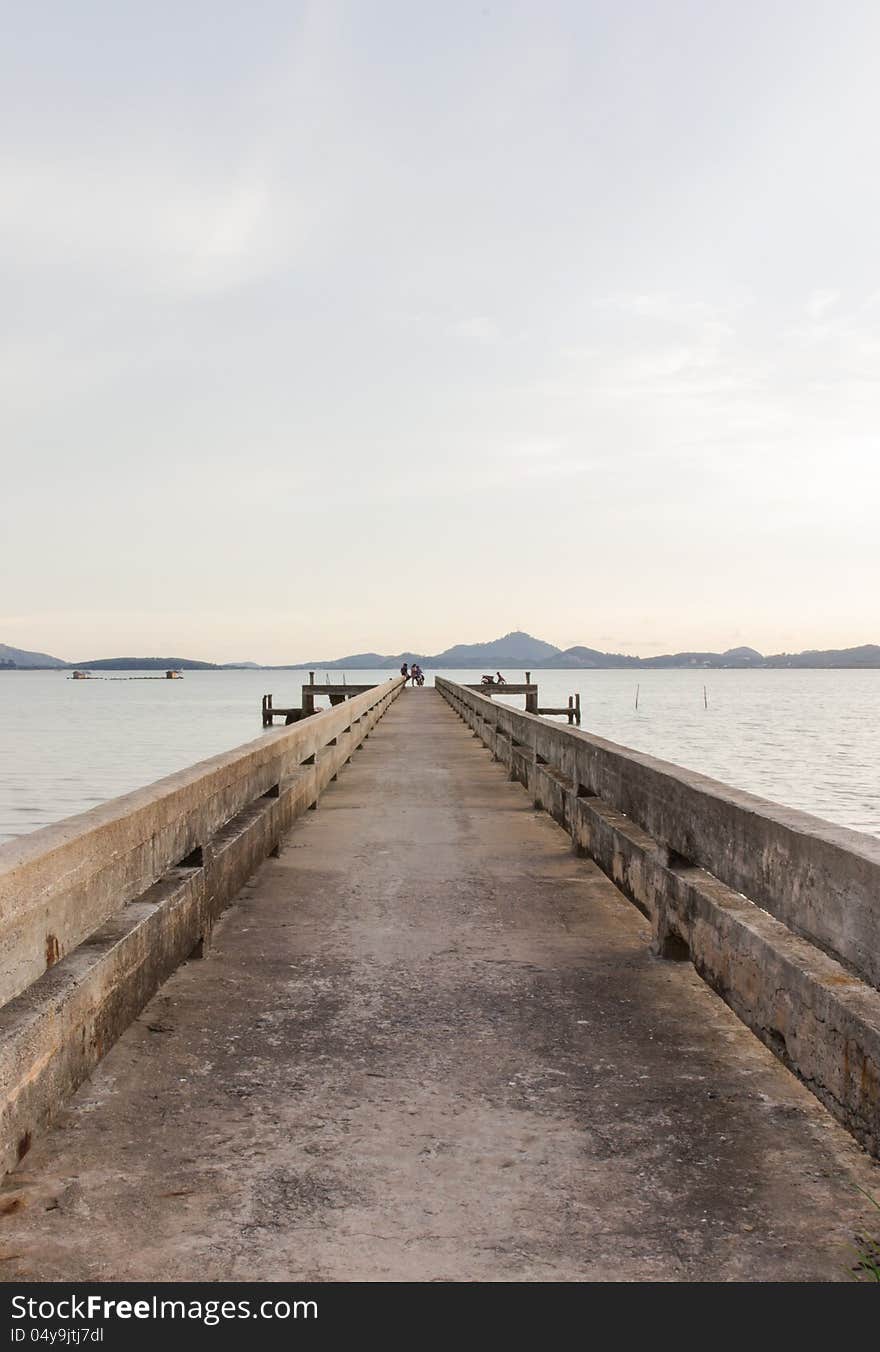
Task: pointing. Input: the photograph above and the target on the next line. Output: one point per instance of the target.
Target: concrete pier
(429, 1041)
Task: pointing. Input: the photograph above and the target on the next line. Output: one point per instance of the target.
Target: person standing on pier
(404, 671)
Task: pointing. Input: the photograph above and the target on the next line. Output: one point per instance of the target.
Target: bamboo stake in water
(637, 697)
(705, 699)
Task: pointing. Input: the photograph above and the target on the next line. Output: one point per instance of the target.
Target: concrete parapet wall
(96, 911)
(778, 910)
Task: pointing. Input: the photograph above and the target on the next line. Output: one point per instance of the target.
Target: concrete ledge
(54, 1032)
(61, 883)
(814, 1012)
(820, 880)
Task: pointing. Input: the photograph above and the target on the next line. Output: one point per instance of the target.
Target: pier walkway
(428, 1041)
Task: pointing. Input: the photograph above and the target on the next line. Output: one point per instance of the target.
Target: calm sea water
(808, 739)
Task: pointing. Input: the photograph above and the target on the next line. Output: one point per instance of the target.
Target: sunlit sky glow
(332, 326)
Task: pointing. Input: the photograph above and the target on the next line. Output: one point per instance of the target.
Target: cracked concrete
(430, 1043)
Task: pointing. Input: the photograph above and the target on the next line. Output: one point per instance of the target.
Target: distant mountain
(20, 657)
(23, 660)
(511, 650)
(868, 655)
(700, 659)
(514, 650)
(591, 657)
(522, 650)
(356, 662)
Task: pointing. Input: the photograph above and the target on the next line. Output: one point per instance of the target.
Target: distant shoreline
(645, 665)
(516, 651)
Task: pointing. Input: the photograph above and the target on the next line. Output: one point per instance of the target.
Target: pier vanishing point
(422, 987)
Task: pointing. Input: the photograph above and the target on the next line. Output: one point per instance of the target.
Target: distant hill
(514, 650)
(591, 657)
(510, 650)
(868, 655)
(143, 664)
(356, 662)
(701, 659)
(20, 657)
(743, 652)
(522, 650)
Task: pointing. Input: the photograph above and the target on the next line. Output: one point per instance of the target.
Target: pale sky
(338, 326)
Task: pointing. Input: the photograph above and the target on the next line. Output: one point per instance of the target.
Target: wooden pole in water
(705, 699)
(637, 696)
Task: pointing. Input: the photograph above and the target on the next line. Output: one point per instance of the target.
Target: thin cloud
(820, 302)
(477, 328)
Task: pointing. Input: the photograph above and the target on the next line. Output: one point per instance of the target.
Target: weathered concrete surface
(431, 1043)
(61, 883)
(821, 1018)
(820, 880)
(56, 1030)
